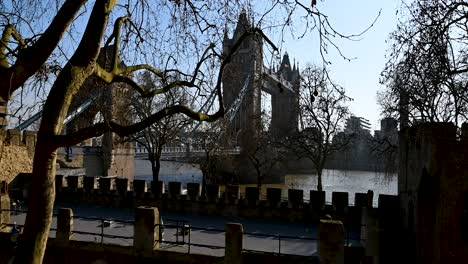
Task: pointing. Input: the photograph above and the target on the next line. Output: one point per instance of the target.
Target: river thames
(333, 180)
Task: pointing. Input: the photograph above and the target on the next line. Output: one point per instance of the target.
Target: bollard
(64, 225)
(146, 229)
(331, 242)
(234, 243)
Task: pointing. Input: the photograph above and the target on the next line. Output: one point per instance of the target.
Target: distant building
(388, 128)
(357, 125)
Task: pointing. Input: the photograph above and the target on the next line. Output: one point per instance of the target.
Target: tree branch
(100, 128)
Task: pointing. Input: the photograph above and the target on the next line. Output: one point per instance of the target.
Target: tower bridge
(244, 78)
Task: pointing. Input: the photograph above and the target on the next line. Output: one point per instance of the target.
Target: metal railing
(183, 236)
(103, 223)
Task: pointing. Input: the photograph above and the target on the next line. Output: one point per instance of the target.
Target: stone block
(4, 205)
(193, 190)
(295, 196)
(146, 229)
(157, 188)
(212, 192)
(234, 243)
(389, 208)
(64, 225)
(232, 193)
(317, 199)
(89, 183)
(331, 242)
(58, 183)
(370, 199)
(13, 137)
(29, 140)
(252, 195)
(3, 187)
(121, 185)
(105, 184)
(72, 182)
(139, 187)
(360, 200)
(175, 189)
(273, 196)
(340, 200)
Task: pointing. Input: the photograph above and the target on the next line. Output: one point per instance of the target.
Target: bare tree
(51, 48)
(323, 112)
(165, 132)
(264, 153)
(426, 74)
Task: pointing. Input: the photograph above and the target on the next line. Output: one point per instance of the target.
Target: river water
(332, 180)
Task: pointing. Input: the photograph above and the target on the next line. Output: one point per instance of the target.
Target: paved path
(214, 236)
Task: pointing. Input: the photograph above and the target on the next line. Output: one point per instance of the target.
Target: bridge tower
(241, 72)
(285, 101)
(244, 79)
(102, 102)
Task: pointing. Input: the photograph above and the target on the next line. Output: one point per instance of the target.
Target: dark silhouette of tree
(165, 132)
(426, 73)
(322, 116)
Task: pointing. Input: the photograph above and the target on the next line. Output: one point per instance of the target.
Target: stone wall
(16, 153)
(433, 190)
(119, 192)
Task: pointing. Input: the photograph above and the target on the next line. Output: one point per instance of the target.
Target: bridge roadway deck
(216, 238)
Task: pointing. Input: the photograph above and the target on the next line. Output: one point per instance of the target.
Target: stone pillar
(157, 188)
(273, 196)
(175, 189)
(72, 182)
(139, 187)
(89, 182)
(232, 193)
(4, 204)
(212, 192)
(331, 242)
(370, 199)
(29, 140)
(193, 190)
(64, 225)
(252, 195)
(14, 137)
(58, 183)
(234, 243)
(146, 229)
(295, 197)
(317, 199)
(121, 184)
(360, 200)
(340, 200)
(104, 184)
(370, 234)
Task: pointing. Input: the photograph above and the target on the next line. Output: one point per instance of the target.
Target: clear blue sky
(360, 77)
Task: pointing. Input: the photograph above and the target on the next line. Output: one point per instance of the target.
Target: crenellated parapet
(17, 152)
(14, 137)
(297, 206)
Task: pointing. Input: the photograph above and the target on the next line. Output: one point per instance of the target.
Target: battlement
(14, 137)
(120, 192)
